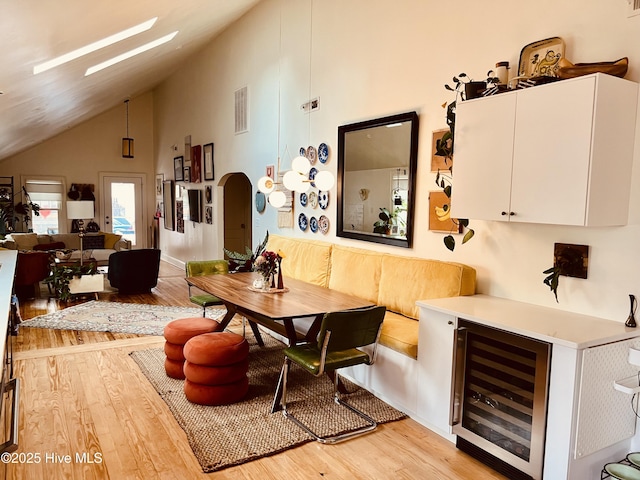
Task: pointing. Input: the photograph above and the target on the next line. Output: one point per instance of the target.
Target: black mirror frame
(413, 164)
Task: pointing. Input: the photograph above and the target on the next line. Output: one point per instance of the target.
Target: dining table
(276, 310)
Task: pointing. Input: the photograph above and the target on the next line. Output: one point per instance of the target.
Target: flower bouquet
(268, 265)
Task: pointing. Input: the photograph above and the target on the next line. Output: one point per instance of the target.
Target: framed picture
(167, 203)
(159, 181)
(438, 162)
(270, 172)
(208, 161)
(208, 194)
(178, 166)
(196, 164)
(439, 221)
(208, 214)
(187, 174)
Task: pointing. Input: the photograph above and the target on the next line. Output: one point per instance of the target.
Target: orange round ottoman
(176, 334)
(216, 368)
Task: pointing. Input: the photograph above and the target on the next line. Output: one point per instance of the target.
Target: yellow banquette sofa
(394, 281)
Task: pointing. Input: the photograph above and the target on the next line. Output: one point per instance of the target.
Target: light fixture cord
(310, 65)
(126, 102)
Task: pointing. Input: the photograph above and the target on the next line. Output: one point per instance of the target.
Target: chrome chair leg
(369, 427)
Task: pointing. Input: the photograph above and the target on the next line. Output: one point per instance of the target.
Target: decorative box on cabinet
(559, 153)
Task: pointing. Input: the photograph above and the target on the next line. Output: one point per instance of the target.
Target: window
(47, 192)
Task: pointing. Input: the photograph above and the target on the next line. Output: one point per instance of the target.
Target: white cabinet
(559, 153)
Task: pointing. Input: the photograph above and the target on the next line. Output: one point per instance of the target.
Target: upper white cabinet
(559, 153)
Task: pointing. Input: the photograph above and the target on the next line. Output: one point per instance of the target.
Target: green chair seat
(307, 357)
(205, 267)
(205, 300)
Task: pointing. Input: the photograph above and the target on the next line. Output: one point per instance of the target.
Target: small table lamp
(79, 210)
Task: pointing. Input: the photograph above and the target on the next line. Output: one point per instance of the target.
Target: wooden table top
(302, 300)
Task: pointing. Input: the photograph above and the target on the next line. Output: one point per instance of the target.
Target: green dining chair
(205, 267)
(338, 346)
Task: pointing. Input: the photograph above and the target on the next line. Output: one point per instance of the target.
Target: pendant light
(127, 142)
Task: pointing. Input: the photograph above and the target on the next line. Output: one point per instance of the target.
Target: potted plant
(62, 276)
(387, 220)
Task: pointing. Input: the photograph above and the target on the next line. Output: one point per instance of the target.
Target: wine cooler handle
(457, 397)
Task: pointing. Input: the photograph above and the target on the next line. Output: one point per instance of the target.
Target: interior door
(122, 210)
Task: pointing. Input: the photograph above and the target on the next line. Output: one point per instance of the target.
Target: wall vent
(634, 8)
(241, 110)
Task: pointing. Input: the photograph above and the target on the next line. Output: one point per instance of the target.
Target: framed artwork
(208, 161)
(439, 220)
(178, 167)
(159, 181)
(187, 174)
(208, 194)
(180, 216)
(438, 162)
(270, 172)
(208, 214)
(196, 164)
(167, 203)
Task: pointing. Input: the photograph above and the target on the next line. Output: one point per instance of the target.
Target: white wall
(370, 58)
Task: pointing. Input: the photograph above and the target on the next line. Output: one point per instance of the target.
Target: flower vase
(280, 280)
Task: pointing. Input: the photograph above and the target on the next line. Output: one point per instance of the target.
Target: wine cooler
(500, 399)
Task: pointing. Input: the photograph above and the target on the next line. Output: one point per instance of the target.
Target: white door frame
(141, 231)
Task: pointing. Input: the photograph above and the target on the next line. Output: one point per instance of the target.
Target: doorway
(122, 208)
(237, 212)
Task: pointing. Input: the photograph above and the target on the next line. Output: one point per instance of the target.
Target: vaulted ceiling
(35, 107)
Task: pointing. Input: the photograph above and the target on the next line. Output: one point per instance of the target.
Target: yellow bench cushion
(356, 272)
(306, 260)
(405, 280)
(400, 333)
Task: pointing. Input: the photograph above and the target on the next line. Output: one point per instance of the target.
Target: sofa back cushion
(93, 241)
(24, 241)
(356, 272)
(305, 260)
(405, 280)
(70, 240)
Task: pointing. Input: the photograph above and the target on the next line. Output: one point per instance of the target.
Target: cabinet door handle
(504, 214)
(511, 214)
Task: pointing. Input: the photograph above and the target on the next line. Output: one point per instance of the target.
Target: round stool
(176, 334)
(216, 368)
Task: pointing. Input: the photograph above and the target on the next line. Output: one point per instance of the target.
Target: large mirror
(376, 179)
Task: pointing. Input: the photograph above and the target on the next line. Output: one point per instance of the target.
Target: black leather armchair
(134, 271)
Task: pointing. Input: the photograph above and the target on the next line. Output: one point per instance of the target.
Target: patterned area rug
(117, 317)
(228, 435)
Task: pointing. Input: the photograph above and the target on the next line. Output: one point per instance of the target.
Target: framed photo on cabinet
(207, 152)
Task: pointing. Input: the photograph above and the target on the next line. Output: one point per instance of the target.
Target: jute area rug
(228, 435)
(118, 317)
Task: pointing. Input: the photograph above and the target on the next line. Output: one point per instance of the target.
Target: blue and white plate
(312, 175)
(323, 153)
(323, 200)
(303, 199)
(323, 223)
(303, 152)
(303, 223)
(313, 224)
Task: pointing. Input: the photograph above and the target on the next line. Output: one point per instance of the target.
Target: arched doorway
(237, 212)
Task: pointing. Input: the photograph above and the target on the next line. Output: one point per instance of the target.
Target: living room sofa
(394, 281)
(100, 245)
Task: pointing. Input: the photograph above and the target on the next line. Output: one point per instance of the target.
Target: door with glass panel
(122, 207)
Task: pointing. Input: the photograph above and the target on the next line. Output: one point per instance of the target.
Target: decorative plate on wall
(303, 199)
(323, 200)
(313, 199)
(323, 223)
(311, 155)
(312, 175)
(303, 152)
(313, 224)
(323, 153)
(303, 223)
(260, 202)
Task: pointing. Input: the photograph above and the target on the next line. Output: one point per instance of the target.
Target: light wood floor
(82, 396)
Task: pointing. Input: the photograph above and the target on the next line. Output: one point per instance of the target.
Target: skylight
(131, 53)
(92, 47)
